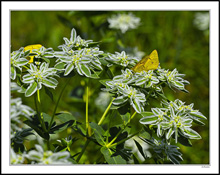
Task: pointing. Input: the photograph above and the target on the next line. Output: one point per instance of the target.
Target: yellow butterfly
(149, 62)
(31, 47)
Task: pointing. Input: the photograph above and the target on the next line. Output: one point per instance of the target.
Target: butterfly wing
(153, 61)
(140, 65)
(150, 62)
(31, 47)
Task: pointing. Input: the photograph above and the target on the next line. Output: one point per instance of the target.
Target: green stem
(87, 108)
(48, 145)
(109, 144)
(35, 101)
(100, 122)
(106, 111)
(51, 121)
(40, 114)
(83, 150)
(25, 67)
(131, 118)
(38, 96)
(122, 141)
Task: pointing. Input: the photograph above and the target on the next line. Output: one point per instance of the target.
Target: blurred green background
(180, 44)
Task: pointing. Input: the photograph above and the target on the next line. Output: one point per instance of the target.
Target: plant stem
(106, 111)
(40, 115)
(87, 109)
(35, 101)
(48, 145)
(109, 144)
(51, 121)
(123, 140)
(25, 67)
(101, 120)
(83, 150)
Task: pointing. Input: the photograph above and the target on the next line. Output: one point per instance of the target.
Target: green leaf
(49, 82)
(85, 70)
(169, 133)
(184, 141)
(109, 73)
(99, 132)
(69, 68)
(174, 159)
(61, 127)
(96, 74)
(108, 157)
(64, 117)
(103, 82)
(60, 66)
(198, 122)
(165, 125)
(126, 117)
(22, 61)
(148, 120)
(191, 133)
(140, 149)
(46, 117)
(39, 130)
(73, 35)
(120, 100)
(137, 106)
(198, 115)
(13, 73)
(184, 90)
(31, 89)
(145, 114)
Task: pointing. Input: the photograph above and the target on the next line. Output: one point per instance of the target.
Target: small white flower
(15, 87)
(38, 76)
(124, 22)
(40, 156)
(17, 109)
(201, 21)
(17, 61)
(147, 78)
(121, 59)
(75, 41)
(16, 158)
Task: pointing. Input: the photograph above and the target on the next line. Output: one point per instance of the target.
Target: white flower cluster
(37, 77)
(201, 21)
(172, 78)
(16, 158)
(127, 85)
(174, 118)
(76, 55)
(18, 109)
(121, 59)
(120, 86)
(17, 61)
(75, 41)
(39, 156)
(124, 22)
